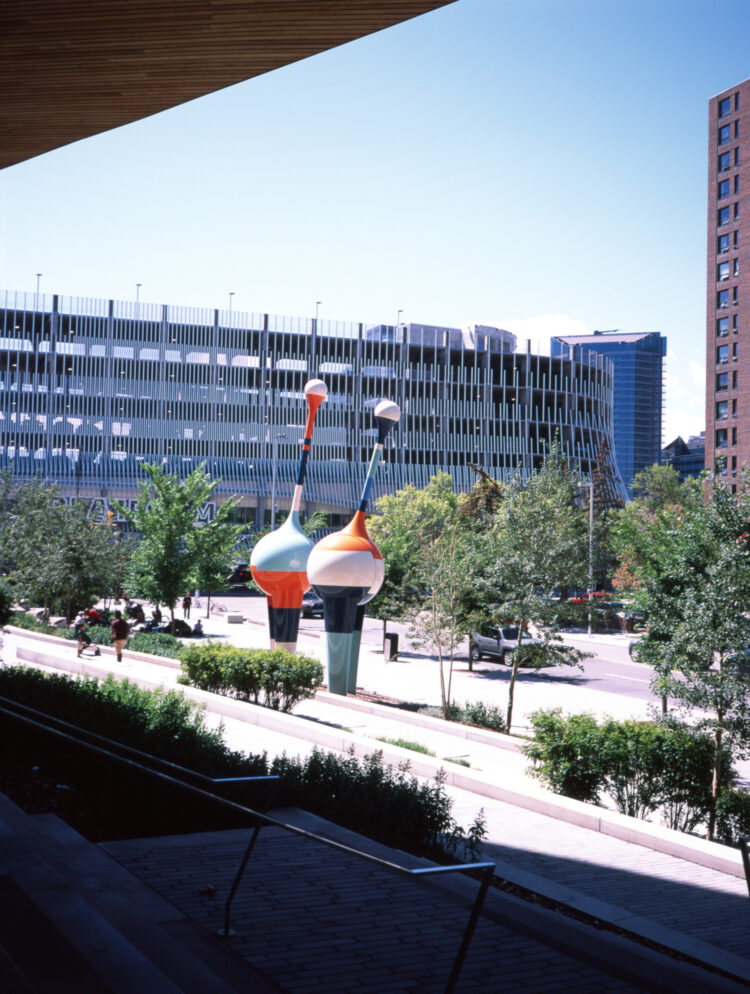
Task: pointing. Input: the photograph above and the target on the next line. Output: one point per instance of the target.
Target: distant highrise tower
(728, 289)
(637, 391)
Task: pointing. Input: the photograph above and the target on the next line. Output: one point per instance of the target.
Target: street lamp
(231, 294)
(317, 305)
(590, 485)
(276, 437)
(38, 277)
(137, 297)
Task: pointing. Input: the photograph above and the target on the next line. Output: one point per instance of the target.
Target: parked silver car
(497, 643)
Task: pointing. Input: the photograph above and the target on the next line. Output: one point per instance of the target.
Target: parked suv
(497, 643)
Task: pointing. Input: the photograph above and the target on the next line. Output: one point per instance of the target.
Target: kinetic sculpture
(279, 561)
(346, 570)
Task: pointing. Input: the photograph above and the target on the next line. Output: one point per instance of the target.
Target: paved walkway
(701, 912)
(318, 920)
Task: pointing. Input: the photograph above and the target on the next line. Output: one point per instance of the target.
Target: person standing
(187, 600)
(82, 636)
(120, 630)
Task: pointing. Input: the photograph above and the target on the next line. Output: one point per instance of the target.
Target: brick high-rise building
(728, 287)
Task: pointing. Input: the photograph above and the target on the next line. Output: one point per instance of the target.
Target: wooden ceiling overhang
(71, 69)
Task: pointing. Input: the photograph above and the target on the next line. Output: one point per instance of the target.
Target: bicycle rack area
(178, 776)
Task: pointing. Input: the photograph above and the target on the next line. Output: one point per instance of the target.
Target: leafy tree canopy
(165, 516)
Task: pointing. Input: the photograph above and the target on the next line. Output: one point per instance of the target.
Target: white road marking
(619, 676)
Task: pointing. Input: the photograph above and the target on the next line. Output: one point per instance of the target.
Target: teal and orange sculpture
(279, 561)
(346, 569)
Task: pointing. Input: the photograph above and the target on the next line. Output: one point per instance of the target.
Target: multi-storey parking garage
(90, 390)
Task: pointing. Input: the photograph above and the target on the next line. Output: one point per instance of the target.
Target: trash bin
(390, 646)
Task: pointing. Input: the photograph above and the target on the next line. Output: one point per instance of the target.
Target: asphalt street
(610, 669)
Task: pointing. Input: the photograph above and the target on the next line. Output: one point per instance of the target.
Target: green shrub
(160, 722)
(566, 754)
(21, 620)
(272, 677)
(407, 744)
(687, 778)
(386, 804)
(99, 634)
(156, 643)
(643, 766)
(6, 604)
(733, 816)
(483, 716)
(364, 795)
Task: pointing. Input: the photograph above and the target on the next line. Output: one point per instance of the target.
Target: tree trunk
(511, 688)
(208, 605)
(715, 784)
(443, 698)
(513, 675)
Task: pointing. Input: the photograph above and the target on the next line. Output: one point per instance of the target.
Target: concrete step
(106, 932)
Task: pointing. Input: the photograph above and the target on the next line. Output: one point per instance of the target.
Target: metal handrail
(487, 869)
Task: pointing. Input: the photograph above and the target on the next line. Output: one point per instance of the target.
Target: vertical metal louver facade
(90, 390)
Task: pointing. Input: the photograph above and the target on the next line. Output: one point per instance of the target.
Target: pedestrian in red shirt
(120, 630)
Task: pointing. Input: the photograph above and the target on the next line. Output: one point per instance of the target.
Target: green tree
(32, 522)
(213, 546)
(165, 517)
(406, 521)
(657, 486)
(437, 621)
(539, 545)
(639, 531)
(694, 584)
(86, 558)
(430, 559)
(77, 563)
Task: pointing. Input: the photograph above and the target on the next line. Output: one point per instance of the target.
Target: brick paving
(315, 919)
(695, 900)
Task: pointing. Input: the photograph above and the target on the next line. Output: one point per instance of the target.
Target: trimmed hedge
(272, 677)
(366, 796)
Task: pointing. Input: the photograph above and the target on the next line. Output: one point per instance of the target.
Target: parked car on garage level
(497, 643)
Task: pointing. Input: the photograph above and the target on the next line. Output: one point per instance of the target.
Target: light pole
(398, 320)
(590, 486)
(38, 277)
(276, 437)
(317, 305)
(137, 297)
(231, 294)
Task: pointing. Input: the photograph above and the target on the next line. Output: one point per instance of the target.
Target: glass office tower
(638, 392)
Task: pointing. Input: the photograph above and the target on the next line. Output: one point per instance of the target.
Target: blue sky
(540, 164)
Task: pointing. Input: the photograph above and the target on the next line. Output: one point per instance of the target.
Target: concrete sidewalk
(672, 889)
